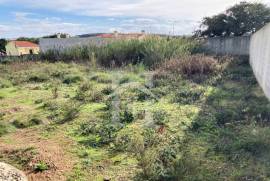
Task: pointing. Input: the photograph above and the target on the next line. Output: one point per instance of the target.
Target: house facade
(18, 48)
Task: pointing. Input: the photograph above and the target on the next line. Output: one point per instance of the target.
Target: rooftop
(24, 44)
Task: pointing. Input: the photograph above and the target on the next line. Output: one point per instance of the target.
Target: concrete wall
(11, 49)
(28, 50)
(63, 43)
(260, 57)
(228, 45)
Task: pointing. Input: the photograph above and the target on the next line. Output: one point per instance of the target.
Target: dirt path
(52, 151)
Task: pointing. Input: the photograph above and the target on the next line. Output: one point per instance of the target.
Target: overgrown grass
(150, 51)
(193, 118)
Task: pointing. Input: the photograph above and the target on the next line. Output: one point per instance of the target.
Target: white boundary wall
(64, 43)
(260, 57)
(228, 45)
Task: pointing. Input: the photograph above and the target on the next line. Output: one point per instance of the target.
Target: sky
(35, 18)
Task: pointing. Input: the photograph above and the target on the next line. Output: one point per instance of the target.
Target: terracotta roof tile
(25, 44)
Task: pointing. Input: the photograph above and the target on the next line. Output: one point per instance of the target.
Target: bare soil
(53, 151)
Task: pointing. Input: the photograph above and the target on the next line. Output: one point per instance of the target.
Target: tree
(33, 40)
(62, 35)
(3, 43)
(243, 18)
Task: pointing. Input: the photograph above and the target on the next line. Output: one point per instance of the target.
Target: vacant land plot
(182, 121)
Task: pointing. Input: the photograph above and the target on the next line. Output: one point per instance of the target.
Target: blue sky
(34, 18)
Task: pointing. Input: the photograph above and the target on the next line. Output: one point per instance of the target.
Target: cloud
(169, 9)
(158, 16)
(26, 25)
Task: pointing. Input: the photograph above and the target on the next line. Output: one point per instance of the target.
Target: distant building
(17, 48)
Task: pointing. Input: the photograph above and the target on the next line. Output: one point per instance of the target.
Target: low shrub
(35, 121)
(68, 112)
(124, 80)
(19, 124)
(228, 115)
(99, 132)
(69, 79)
(249, 141)
(126, 116)
(3, 128)
(38, 101)
(87, 92)
(26, 124)
(143, 95)
(41, 166)
(107, 90)
(50, 105)
(5, 83)
(38, 77)
(130, 140)
(160, 117)
(101, 78)
(191, 65)
(187, 95)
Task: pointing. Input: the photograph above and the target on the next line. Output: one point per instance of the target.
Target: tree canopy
(3, 43)
(33, 40)
(62, 35)
(240, 19)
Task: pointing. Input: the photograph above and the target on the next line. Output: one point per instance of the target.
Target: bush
(191, 65)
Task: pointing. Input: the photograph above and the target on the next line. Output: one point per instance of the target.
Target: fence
(63, 43)
(228, 45)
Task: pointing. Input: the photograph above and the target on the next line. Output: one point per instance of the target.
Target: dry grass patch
(191, 65)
